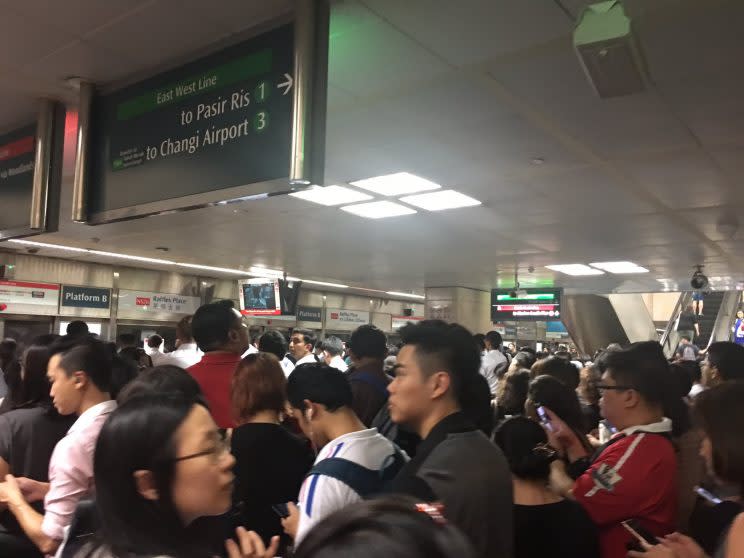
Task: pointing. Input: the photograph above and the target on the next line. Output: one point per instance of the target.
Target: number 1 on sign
(262, 91)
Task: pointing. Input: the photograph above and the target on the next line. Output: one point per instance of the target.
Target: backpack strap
(372, 380)
(365, 482)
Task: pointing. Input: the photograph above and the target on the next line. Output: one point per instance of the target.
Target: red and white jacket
(634, 477)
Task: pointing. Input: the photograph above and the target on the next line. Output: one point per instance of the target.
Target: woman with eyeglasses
(160, 464)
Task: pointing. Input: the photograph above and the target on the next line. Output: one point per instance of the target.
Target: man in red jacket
(633, 476)
(220, 332)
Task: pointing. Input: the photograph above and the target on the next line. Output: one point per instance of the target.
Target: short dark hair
(123, 371)
(440, 346)
(127, 339)
(86, 354)
(77, 327)
(512, 392)
(721, 414)
(728, 358)
(559, 368)
(368, 341)
(212, 323)
(163, 379)
(333, 345)
(254, 332)
(525, 447)
(524, 359)
(390, 526)
(641, 366)
(550, 392)
(183, 329)
(308, 335)
(273, 342)
(494, 338)
(258, 384)
(320, 384)
(154, 341)
(33, 389)
(8, 349)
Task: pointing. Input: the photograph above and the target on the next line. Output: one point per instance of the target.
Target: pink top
(71, 469)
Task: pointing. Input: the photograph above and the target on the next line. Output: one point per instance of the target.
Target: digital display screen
(260, 297)
(525, 304)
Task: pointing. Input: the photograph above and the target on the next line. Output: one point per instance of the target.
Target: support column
(468, 307)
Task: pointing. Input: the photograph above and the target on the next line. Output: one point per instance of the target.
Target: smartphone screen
(709, 496)
(544, 418)
(634, 528)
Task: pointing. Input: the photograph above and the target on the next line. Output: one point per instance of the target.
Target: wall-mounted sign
(525, 304)
(186, 136)
(345, 319)
(21, 297)
(309, 314)
(85, 297)
(148, 302)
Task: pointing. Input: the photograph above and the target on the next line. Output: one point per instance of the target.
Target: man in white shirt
(154, 349)
(320, 397)
(331, 350)
(187, 353)
(274, 342)
(301, 346)
(254, 332)
(493, 361)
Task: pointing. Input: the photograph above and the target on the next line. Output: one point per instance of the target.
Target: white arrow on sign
(287, 85)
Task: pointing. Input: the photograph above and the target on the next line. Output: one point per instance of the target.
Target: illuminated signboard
(525, 304)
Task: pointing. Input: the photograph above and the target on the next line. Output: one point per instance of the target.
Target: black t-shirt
(687, 321)
(271, 464)
(558, 530)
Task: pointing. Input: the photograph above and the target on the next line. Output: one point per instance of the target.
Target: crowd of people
(246, 443)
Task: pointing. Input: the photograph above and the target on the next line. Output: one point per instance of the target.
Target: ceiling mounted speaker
(609, 50)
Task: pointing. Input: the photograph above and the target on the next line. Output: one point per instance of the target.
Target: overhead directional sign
(525, 304)
(215, 129)
(16, 177)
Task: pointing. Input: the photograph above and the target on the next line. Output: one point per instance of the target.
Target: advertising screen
(260, 297)
(525, 304)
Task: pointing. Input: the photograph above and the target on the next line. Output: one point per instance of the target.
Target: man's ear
(145, 482)
(80, 378)
(441, 384)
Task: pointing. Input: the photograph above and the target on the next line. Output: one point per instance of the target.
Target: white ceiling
(464, 93)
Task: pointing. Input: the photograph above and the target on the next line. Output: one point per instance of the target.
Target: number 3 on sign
(261, 121)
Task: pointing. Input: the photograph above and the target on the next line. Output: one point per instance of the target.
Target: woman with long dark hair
(160, 464)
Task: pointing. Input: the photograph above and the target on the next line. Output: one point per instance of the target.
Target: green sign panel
(217, 123)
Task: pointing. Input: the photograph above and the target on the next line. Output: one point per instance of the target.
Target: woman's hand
(671, 546)
(292, 521)
(251, 545)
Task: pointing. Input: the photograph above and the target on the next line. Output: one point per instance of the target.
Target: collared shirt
(338, 363)
(71, 469)
(251, 350)
(287, 366)
(187, 354)
(309, 358)
(214, 374)
(489, 363)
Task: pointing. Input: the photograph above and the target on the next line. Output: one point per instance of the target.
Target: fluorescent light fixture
(46, 245)
(378, 210)
(619, 267)
(575, 270)
(409, 295)
(128, 257)
(331, 195)
(397, 184)
(261, 271)
(324, 283)
(213, 268)
(437, 201)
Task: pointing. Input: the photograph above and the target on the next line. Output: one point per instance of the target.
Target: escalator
(712, 306)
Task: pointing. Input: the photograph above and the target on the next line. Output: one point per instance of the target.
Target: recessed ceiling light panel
(619, 268)
(575, 270)
(331, 195)
(438, 201)
(378, 210)
(397, 184)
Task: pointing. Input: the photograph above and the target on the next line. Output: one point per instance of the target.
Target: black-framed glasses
(221, 447)
(602, 387)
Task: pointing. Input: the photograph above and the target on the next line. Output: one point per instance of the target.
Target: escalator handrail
(729, 305)
(682, 301)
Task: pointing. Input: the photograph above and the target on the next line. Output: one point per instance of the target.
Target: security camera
(513, 294)
(699, 280)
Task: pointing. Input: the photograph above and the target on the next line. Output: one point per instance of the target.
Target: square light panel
(378, 210)
(576, 270)
(438, 201)
(396, 184)
(331, 195)
(619, 267)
